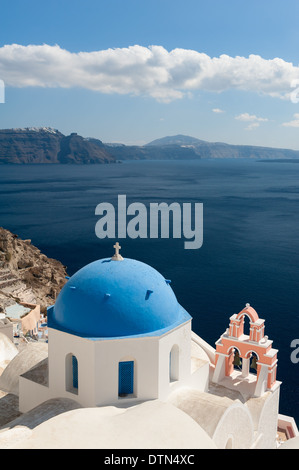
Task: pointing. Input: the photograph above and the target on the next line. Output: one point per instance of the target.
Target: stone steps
(7, 277)
(9, 283)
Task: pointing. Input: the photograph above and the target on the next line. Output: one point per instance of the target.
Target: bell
(253, 363)
(237, 360)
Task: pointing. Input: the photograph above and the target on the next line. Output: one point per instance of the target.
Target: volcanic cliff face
(76, 149)
(29, 145)
(26, 274)
(46, 145)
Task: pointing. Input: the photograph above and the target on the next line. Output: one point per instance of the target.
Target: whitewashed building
(117, 336)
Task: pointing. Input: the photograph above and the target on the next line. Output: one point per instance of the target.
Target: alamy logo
(135, 221)
(2, 92)
(295, 353)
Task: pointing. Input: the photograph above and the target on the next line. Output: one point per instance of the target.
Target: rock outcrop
(27, 275)
(76, 149)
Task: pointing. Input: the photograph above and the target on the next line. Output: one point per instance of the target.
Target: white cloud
(250, 118)
(252, 126)
(217, 110)
(149, 71)
(253, 119)
(294, 123)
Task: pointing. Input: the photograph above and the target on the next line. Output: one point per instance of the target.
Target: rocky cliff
(26, 274)
(46, 145)
(76, 149)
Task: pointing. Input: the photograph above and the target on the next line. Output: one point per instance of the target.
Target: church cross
(117, 248)
(117, 256)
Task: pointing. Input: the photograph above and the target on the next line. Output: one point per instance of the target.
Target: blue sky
(132, 71)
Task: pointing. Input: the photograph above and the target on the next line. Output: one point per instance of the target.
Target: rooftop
(117, 297)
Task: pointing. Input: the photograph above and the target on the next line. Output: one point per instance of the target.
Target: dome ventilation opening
(148, 294)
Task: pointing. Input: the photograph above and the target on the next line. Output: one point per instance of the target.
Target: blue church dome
(112, 299)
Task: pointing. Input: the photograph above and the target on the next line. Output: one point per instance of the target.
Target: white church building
(117, 336)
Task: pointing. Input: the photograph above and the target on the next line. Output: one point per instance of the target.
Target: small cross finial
(117, 256)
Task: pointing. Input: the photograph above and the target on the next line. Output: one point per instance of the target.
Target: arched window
(71, 373)
(229, 443)
(125, 378)
(253, 363)
(174, 363)
(246, 325)
(237, 360)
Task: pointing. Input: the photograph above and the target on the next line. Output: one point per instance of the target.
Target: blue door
(125, 378)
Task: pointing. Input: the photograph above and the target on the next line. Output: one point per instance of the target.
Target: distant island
(47, 145)
(44, 145)
(280, 160)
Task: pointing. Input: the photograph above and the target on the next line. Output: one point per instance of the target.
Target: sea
(250, 250)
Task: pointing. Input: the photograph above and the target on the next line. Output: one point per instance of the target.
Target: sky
(132, 71)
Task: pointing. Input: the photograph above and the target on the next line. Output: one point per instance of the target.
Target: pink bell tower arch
(235, 341)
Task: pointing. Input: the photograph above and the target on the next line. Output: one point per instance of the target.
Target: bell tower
(239, 355)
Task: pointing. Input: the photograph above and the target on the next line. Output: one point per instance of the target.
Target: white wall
(98, 363)
(144, 353)
(31, 394)
(60, 345)
(268, 419)
(235, 428)
(151, 365)
(182, 338)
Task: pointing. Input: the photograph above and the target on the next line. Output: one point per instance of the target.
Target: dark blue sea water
(250, 252)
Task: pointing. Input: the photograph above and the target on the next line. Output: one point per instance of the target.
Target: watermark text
(162, 220)
(295, 352)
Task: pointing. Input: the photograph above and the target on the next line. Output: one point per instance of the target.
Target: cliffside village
(29, 283)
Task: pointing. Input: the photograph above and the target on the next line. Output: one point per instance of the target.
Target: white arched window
(174, 363)
(229, 443)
